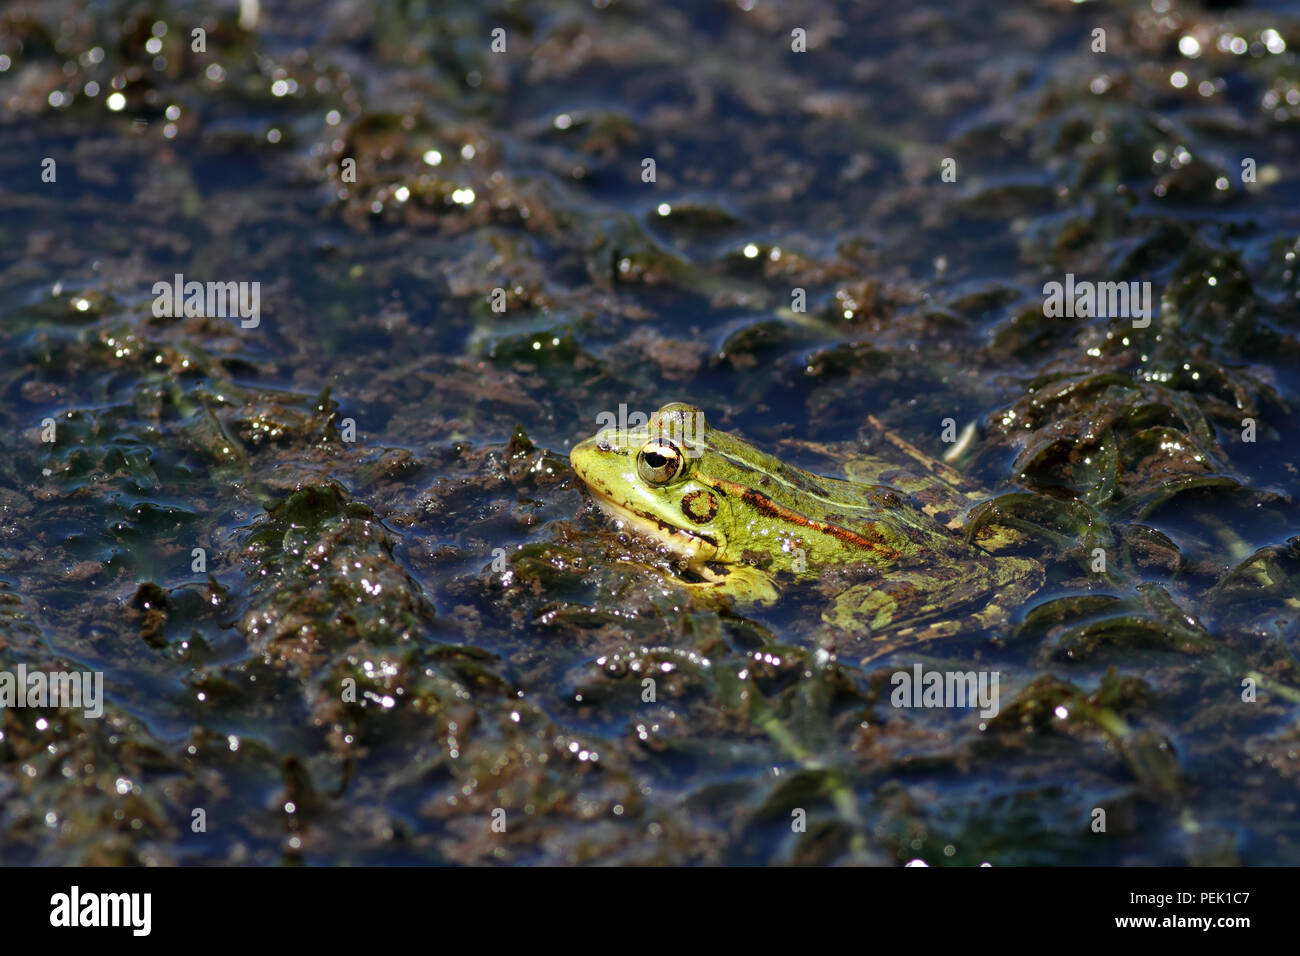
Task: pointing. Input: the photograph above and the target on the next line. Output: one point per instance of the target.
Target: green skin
(744, 522)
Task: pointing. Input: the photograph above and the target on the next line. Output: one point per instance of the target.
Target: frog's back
(842, 520)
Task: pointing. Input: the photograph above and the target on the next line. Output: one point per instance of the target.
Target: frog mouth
(696, 547)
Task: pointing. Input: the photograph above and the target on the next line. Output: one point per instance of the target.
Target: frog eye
(659, 462)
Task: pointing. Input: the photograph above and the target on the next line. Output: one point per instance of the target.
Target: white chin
(681, 543)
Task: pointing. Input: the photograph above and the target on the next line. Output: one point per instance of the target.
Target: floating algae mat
(649, 433)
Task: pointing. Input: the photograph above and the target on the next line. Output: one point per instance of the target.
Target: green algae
(403, 622)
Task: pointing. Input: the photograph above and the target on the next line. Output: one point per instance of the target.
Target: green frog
(744, 524)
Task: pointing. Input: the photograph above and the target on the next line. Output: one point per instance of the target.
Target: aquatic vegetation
(340, 579)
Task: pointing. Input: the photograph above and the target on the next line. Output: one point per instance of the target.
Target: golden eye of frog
(744, 523)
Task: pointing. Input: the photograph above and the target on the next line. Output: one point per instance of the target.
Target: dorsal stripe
(770, 508)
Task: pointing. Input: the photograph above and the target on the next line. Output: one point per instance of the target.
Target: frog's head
(644, 477)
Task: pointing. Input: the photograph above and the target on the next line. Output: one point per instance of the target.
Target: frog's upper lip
(655, 527)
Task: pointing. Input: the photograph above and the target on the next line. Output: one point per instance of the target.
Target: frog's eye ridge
(660, 462)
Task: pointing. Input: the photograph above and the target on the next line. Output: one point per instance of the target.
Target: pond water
(323, 542)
